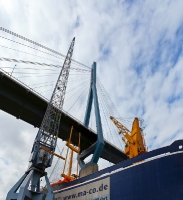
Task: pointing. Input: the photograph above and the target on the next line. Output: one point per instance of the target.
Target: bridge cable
(106, 113)
(82, 103)
(109, 110)
(35, 43)
(79, 70)
(35, 63)
(77, 99)
(53, 84)
(66, 100)
(56, 164)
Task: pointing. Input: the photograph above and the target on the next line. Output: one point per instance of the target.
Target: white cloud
(138, 51)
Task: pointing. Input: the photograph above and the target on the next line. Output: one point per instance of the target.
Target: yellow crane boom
(134, 140)
(51, 152)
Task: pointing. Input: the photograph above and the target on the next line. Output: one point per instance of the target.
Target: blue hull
(156, 175)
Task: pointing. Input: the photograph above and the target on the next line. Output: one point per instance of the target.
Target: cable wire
(35, 43)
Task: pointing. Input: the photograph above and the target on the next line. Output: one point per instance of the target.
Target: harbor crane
(28, 187)
(134, 139)
(70, 177)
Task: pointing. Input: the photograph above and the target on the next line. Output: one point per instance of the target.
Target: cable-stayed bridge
(23, 103)
(26, 84)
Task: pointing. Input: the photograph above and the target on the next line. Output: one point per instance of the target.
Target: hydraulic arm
(134, 140)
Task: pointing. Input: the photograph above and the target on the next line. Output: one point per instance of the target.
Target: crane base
(28, 187)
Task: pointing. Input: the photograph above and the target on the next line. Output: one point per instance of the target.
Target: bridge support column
(89, 169)
(96, 148)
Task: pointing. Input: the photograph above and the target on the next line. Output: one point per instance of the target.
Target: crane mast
(45, 142)
(134, 140)
(48, 131)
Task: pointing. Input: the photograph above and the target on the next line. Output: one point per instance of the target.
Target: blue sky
(139, 53)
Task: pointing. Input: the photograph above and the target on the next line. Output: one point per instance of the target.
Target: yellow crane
(70, 177)
(67, 177)
(134, 140)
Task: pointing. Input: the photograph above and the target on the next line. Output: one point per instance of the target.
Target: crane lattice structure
(45, 142)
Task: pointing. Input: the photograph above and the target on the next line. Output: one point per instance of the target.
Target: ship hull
(154, 175)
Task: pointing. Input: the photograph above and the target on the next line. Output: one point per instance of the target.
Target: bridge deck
(23, 103)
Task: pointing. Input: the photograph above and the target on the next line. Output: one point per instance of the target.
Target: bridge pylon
(96, 148)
